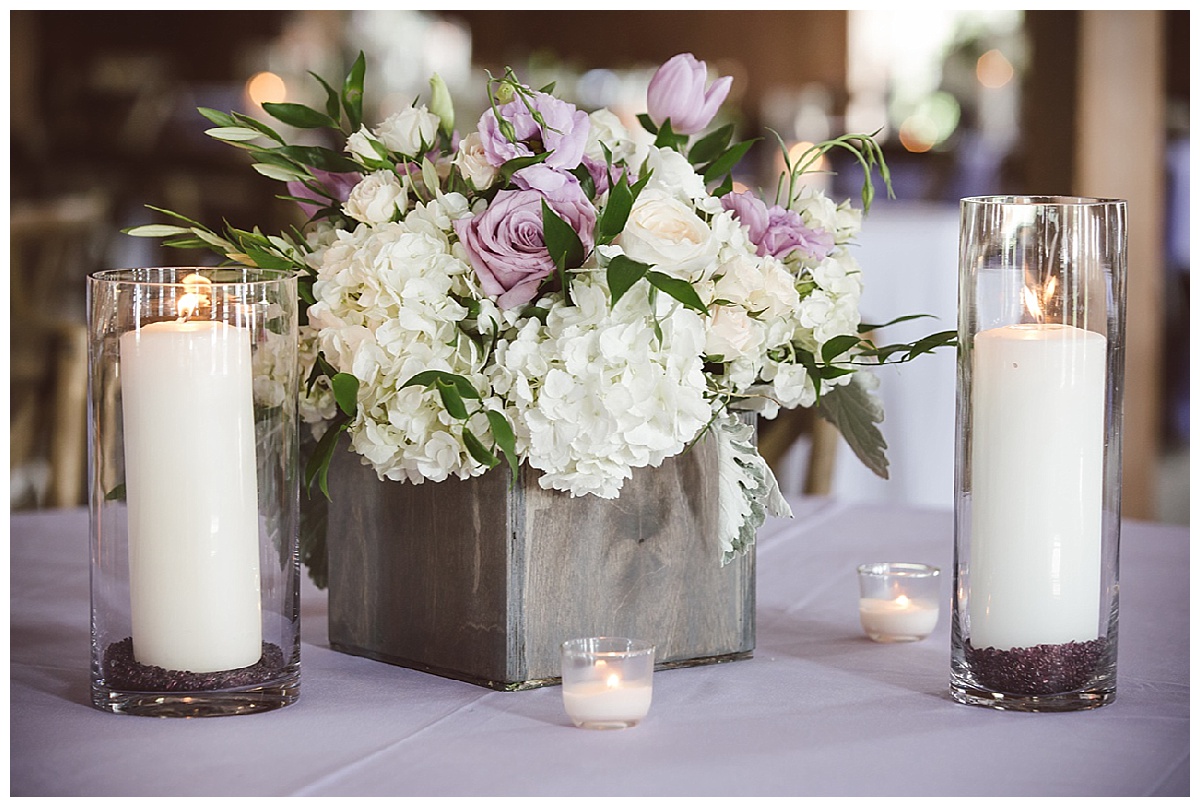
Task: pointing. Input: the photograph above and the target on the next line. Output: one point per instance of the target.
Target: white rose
(410, 131)
(472, 162)
(664, 232)
(360, 145)
(732, 334)
(760, 285)
(377, 199)
(673, 174)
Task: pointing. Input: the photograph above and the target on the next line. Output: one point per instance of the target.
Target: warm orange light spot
(266, 88)
(918, 134)
(993, 69)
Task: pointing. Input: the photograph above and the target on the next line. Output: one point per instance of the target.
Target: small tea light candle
(898, 601)
(607, 682)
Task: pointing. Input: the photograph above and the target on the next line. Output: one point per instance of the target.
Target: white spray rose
(410, 131)
(473, 164)
(666, 233)
(377, 199)
(673, 174)
(732, 334)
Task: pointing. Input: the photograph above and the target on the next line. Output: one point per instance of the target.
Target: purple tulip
(677, 92)
(777, 231)
(564, 134)
(506, 242)
(338, 185)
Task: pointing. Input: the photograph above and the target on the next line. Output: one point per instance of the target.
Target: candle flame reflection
(613, 681)
(196, 293)
(1036, 302)
(902, 601)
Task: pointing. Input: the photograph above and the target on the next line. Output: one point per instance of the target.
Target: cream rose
(666, 233)
(473, 164)
(359, 145)
(732, 334)
(377, 199)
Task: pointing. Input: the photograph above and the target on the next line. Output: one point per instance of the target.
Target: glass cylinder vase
(193, 491)
(1038, 465)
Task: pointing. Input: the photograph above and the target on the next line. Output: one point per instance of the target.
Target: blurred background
(965, 103)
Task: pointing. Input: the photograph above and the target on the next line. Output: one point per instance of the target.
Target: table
(818, 710)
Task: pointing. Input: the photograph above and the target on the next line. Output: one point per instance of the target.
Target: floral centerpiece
(553, 288)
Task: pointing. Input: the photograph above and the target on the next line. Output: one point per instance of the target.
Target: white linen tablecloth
(818, 710)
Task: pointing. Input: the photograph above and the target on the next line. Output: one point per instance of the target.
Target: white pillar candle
(608, 700)
(192, 494)
(1037, 456)
(897, 619)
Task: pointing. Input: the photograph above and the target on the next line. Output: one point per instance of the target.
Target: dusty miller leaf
(747, 490)
(855, 410)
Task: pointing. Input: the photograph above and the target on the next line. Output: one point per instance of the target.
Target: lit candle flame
(902, 601)
(613, 681)
(1037, 301)
(196, 290)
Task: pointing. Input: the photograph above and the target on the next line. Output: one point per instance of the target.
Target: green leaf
(252, 123)
(217, 118)
(333, 104)
(855, 410)
(667, 139)
(155, 230)
(428, 378)
(352, 92)
(345, 391)
(299, 116)
(623, 272)
(452, 400)
(711, 146)
(267, 260)
(867, 327)
(502, 430)
(278, 173)
(319, 157)
(837, 346)
(561, 240)
(727, 161)
(117, 494)
(478, 450)
(517, 163)
(318, 464)
(234, 133)
(681, 290)
(616, 212)
(647, 123)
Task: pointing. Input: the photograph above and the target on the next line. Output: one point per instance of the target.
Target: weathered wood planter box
(482, 581)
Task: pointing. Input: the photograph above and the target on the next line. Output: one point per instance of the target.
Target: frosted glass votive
(607, 682)
(898, 602)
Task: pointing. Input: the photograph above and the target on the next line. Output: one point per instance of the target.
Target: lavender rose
(777, 231)
(564, 135)
(506, 242)
(677, 92)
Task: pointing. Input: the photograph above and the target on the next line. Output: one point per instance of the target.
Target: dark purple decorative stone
(1045, 669)
(121, 671)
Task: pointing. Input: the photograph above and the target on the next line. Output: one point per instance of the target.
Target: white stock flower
(759, 285)
(410, 131)
(473, 164)
(377, 199)
(666, 233)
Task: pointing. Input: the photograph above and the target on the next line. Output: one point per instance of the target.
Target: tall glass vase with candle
(194, 490)
(1038, 470)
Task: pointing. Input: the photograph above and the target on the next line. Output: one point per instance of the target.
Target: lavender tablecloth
(818, 710)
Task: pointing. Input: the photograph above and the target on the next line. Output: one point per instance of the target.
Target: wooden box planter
(482, 581)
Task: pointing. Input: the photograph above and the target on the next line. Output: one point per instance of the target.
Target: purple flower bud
(338, 185)
(677, 92)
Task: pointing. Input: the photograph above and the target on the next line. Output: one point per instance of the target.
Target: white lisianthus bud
(473, 164)
(379, 198)
(359, 145)
(441, 104)
(410, 131)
